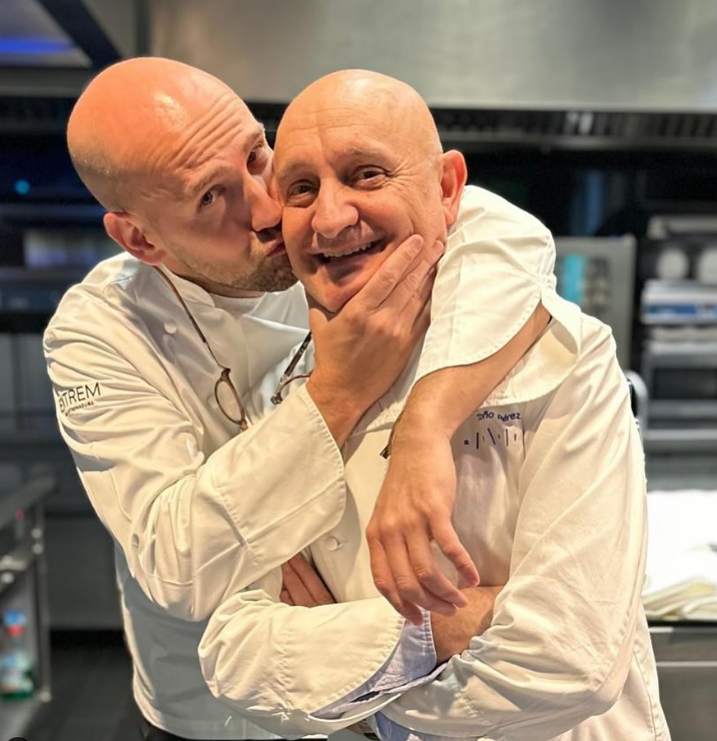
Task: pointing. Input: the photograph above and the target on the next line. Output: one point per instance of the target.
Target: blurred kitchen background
(598, 117)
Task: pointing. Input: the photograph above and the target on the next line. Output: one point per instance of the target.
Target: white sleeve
(280, 665)
(193, 530)
(560, 645)
(498, 262)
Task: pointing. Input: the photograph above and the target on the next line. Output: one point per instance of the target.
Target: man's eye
(297, 190)
(369, 173)
(208, 198)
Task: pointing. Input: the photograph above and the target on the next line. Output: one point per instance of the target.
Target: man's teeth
(346, 253)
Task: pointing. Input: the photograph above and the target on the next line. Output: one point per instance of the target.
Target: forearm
(441, 401)
(421, 469)
(340, 409)
(452, 634)
(257, 501)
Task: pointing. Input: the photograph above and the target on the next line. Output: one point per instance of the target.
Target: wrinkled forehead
(191, 134)
(336, 129)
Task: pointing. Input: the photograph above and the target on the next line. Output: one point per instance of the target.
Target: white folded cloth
(681, 568)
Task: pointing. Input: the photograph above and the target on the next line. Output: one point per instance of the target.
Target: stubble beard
(273, 275)
(269, 276)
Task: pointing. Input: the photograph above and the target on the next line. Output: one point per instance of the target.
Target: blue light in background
(22, 187)
(34, 46)
(571, 271)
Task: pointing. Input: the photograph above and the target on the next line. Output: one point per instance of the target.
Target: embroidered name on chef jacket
(490, 428)
(79, 397)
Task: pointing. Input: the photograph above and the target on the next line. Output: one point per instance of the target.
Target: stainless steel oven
(678, 314)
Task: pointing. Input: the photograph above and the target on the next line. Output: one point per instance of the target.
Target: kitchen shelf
(691, 441)
(19, 560)
(22, 581)
(679, 409)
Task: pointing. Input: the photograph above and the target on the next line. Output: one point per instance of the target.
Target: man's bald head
(392, 105)
(183, 168)
(127, 113)
(359, 167)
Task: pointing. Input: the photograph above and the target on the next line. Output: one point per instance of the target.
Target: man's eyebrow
(259, 132)
(216, 173)
(365, 152)
(200, 187)
(288, 170)
(348, 153)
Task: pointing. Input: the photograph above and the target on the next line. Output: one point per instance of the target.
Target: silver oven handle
(639, 399)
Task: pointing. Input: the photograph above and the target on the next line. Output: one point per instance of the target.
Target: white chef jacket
(197, 512)
(551, 502)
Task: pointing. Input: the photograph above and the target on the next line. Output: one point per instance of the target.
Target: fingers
(423, 294)
(407, 574)
(446, 596)
(422, 304)
(422, 322)
(391, 274)
(415, 289)
(383, 579)
(295, 588)
(311, 581)
(447, 540)
(318, 315)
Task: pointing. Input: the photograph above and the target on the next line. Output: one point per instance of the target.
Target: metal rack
(23, 582)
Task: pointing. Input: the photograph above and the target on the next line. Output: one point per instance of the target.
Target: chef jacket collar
(548, 363)
(541, 370)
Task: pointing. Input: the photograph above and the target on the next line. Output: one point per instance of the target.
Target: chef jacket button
(333, 544)
(170, 327)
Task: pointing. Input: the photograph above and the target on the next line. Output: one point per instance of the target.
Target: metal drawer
(685, 643)
(687, 669)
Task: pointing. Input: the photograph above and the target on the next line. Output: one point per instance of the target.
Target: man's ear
(124, 229)
(453, 179)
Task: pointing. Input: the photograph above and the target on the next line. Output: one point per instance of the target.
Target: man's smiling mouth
(368, 247)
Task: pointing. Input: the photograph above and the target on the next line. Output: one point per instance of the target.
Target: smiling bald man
(549, 470)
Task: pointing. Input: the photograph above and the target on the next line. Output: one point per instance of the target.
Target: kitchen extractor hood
(30, 36)
(51, 48)
(583, 73)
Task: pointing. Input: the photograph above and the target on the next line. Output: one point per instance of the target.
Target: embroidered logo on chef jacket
(494, 429)
(79, 397)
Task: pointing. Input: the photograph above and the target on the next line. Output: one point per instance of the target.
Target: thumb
(317, 321)
(317, 313)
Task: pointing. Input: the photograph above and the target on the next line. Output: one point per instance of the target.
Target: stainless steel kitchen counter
(686, 655)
